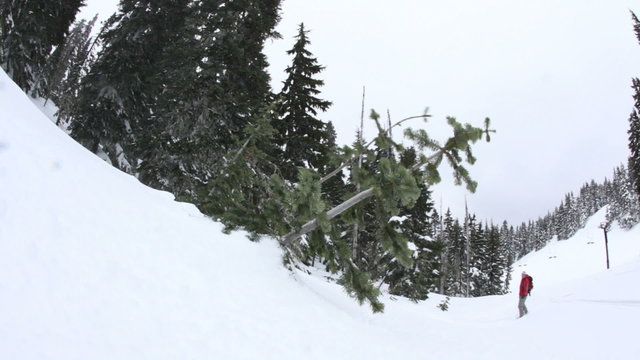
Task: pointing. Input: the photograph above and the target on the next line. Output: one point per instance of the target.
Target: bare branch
(313, 224)
(346, 163)
(241, 150)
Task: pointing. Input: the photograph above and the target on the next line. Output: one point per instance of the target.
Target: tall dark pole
(606, 244)
(605, 226)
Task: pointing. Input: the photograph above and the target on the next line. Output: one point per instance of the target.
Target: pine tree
(390, 187)
(371, 217)
(29, 30)
(435, 228)
(566, 213)
(623, 203)
(521, 240)
(117, 97)
(454, 257)
(588, 201)
(497, 262)
(479, 259)
(634, 124)
(545, 231)
(417, 280)
(215, 85)
(446, 223)
(335, 187)
(506, 238)
(333, 190)
(249, 195)
(302, 137)
(67, 65)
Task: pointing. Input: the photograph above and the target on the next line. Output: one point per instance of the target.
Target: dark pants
(522, 307)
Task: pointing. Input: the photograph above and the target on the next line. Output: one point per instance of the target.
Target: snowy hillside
(94, 265)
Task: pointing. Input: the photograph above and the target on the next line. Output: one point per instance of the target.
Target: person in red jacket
(526, 284)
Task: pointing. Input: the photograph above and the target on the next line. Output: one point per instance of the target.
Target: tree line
(177, 93)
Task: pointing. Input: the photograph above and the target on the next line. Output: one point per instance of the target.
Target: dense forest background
(177, 93)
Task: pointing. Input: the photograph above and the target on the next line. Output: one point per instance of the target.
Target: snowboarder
(526, 284)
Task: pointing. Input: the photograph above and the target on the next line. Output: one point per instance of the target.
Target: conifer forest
(177, 93)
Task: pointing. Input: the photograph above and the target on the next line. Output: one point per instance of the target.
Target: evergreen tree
(335, 187)
(116, 100)
(446, 224)
(589, 201)
(248, 195)
(305, 213)
(623, 205)
(333, 190)
(373, 220)
(454, 257)
(506, 238)
(566, 213)
(634, 125)
(67, 65)
(496, 262)
(215, 85)
(479, 256)
(545, 231)
(417, 280)
(302, 137)
(521, 240)
(390, 187)
(435, 225)
(29, 30)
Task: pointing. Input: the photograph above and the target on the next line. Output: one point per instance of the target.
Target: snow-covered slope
(94, 265)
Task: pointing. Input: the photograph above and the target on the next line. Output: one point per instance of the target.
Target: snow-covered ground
(94, 265)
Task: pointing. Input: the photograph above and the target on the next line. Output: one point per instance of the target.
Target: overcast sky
(554, 76)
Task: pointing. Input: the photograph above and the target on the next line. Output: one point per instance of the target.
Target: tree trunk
(313, 224)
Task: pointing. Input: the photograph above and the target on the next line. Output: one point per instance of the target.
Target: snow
(94, 265)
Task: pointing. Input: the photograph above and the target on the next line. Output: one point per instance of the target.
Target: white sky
(554, 77)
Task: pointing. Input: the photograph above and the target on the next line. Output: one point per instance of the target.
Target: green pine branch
(462, 139)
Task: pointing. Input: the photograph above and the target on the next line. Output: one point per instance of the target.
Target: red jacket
(525, 285)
